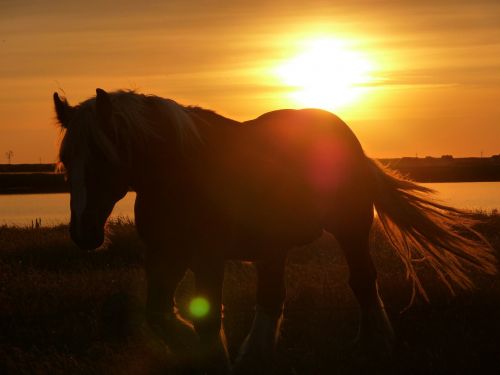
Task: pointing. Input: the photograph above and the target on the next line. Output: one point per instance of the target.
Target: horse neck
(165, 160)
(155, 166)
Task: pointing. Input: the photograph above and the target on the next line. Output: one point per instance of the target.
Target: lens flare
(199, 307)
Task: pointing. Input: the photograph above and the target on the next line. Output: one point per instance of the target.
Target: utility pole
(9, 155)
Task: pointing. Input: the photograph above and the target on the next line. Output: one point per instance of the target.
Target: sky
(431, 85)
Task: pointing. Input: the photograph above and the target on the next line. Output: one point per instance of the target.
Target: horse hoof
(376, 349)
(378, 344)
(215, 359)
(245, 368)
(178, 334)
(252, 362)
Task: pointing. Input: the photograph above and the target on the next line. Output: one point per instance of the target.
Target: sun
(326, 74)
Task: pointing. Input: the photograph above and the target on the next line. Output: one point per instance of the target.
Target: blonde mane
(133, 125)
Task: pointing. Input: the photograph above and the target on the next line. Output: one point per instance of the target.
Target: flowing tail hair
(423, 230)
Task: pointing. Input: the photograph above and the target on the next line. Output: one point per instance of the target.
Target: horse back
(275, 177)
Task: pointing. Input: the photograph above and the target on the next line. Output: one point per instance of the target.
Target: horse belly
(268, 210)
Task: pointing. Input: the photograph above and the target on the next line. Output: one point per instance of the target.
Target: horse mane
(136, 126)
(208, 116)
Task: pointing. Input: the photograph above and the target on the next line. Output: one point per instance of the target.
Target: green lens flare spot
(199, 307)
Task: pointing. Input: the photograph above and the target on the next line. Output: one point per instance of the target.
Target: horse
(210, 188)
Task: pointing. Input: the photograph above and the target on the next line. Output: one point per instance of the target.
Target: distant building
(447, 157)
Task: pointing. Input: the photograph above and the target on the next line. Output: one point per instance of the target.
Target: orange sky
(435, 86)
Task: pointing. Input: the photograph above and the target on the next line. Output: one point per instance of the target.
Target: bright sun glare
(326, 74)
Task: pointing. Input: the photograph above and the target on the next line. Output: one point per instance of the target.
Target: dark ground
(65, 311)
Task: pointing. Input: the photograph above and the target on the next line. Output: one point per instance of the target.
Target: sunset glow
(408, 77)
(326, 74)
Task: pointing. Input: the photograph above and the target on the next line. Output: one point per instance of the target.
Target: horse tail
(421, 229)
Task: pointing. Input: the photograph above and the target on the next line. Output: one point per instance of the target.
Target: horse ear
(103, 105)
(63, 110)
(104, 110)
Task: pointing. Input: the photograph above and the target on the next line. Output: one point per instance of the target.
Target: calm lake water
(54, 208)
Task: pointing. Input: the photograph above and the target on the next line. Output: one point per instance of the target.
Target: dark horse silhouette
(210, 188)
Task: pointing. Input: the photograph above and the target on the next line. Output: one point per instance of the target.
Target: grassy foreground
(65, 311)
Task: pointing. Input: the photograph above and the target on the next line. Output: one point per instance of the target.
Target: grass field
(63, 311)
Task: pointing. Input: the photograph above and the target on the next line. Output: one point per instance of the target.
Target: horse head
(94, 168)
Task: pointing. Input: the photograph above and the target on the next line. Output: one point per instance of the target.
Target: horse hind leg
(350, 224)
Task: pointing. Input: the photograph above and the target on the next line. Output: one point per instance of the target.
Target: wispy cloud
(210, 51)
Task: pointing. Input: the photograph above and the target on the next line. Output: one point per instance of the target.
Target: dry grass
(66, 311)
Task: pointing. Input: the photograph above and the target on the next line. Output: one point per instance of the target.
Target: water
(54, 208)
(484, 196)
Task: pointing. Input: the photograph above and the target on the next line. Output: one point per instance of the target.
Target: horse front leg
(257, 351)
(164, 272)
(207, 317)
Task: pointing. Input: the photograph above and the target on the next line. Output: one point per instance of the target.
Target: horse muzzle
(87, 231)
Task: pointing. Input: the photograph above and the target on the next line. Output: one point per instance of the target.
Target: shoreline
(42, 178)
